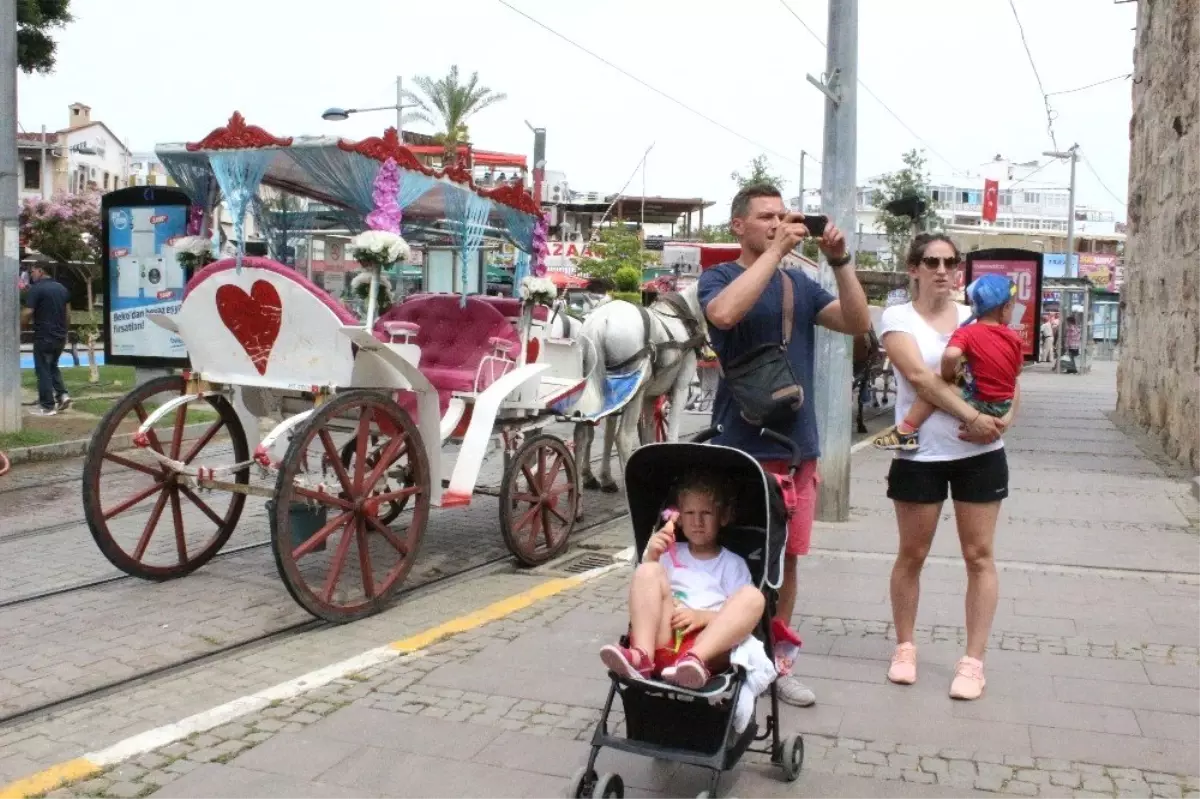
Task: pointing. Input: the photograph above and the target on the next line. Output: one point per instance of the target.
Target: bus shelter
(1071, 298)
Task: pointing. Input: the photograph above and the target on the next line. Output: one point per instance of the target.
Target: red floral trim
(389, 146)
(237, 135)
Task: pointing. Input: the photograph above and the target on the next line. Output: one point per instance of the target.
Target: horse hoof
(591, 484)
(610, 488)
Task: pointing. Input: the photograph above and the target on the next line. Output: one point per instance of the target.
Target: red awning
(479, 157)
(565, 281)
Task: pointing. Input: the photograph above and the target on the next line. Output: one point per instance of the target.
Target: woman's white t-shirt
(939, 435)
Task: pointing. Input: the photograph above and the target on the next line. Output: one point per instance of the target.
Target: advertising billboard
(139, 227)
(1024, 269)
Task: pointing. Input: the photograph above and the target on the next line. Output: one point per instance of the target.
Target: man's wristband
(838, 263)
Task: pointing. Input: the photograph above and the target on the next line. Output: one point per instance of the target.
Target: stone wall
(1158, 382)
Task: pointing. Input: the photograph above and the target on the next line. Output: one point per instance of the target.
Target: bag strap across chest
(789, 306)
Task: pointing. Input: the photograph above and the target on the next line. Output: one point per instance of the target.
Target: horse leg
(627, 433)
(647, 423)
(583, 455)
(681, 392)
(607, 484)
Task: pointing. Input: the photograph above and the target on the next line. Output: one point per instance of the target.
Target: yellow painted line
(493, 612)
(84, 767)
(50, 779)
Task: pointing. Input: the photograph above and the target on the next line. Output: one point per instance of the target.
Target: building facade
(1158, 381)
(84, 156)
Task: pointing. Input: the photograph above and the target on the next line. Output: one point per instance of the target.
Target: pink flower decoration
(386, 215)
(540, 250)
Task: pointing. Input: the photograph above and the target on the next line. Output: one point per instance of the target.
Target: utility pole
(1063, 305)
(10, 247)
(833, 368)
(800, 195)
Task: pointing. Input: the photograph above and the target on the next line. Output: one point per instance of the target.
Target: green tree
(910, 182)
(759, 173)
(716, 233)
(448, 102)
(35, 48)
(617, 247)
(865, 259)
(67, 231)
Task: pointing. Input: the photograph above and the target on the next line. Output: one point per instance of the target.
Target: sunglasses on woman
(933, 262)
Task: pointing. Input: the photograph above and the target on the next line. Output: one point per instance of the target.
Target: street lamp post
(336, 114)
(1073, 155)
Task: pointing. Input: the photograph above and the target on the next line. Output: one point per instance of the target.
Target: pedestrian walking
(960, 455)
(46, 305)
(747, 302)
(1047, 336)
(1074, 343)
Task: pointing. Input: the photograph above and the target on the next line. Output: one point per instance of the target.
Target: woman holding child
(947, 441)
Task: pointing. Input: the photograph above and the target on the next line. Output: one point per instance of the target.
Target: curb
(77, 447)
(93, 763)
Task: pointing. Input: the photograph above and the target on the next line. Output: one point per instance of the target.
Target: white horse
(618, 340)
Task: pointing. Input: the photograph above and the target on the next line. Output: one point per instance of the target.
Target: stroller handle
(785, 441)
(707, 434)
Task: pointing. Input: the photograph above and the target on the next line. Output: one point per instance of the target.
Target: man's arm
(849, 312)
(735, 300)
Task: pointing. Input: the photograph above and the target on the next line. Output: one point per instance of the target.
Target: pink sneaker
(631, 664)
(968, 679)
(903, 670)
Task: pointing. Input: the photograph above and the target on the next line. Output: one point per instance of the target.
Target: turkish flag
(991, 199)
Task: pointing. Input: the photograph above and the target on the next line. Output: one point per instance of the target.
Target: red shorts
(800, 497)
(668, 656)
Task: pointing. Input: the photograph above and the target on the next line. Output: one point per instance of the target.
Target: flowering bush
(193, 252)
(65, 229)
(539, 290)
(379, 248)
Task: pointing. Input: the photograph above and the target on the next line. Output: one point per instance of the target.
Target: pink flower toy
(670, 516)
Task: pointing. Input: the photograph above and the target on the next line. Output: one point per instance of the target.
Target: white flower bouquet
(193, 252)
(538, 290)
(361, 286)
(375, 249)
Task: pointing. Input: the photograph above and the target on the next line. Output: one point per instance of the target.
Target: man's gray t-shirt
(49, 300)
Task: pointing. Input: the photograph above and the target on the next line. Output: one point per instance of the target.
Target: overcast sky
(954, 70)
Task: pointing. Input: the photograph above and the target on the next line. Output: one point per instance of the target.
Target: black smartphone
(816, 224)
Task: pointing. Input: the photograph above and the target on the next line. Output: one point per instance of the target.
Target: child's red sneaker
(632, 663)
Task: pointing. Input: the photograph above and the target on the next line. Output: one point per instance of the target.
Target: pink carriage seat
(453, 339)
(510, 307)
(252, 262)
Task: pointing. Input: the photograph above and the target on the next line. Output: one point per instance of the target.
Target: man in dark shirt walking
(46, 307)
(743, 301)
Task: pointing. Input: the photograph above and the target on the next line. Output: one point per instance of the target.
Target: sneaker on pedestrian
(903, 670)
(795, 692)
(896, 439)
(64, 402)
(44, 412)
(968, 679)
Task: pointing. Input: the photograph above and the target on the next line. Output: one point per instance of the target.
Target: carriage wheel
(539, 500)
(338, 557)
(662, 415)
(126, 491)
(397, 475)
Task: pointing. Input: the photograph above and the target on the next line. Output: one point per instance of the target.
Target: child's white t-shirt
(705, 584)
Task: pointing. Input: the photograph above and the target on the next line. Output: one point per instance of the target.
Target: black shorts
(980, 478)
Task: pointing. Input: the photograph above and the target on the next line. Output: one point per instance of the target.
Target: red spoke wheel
(397, 475)
(539, 500)
(662, 412)
(148, 521)
(339, 554)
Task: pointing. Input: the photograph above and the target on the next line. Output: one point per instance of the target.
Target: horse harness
(695, 337)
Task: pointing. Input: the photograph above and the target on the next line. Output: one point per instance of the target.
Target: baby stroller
(665, 721)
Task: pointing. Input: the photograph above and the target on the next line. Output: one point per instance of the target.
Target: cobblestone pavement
(1093, 665)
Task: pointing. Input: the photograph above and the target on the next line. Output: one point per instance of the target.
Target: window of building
(33, 175)
(1032, 198)
(1005, 199)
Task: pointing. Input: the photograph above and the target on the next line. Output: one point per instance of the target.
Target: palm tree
(448, 102)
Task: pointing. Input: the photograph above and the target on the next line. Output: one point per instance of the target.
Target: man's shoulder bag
(762, 380)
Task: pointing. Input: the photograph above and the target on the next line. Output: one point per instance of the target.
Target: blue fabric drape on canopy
(413, 185)
(520, 226)
(193, 174)
(239, 172)
(470, 212)
(346, 177)
(520, 271)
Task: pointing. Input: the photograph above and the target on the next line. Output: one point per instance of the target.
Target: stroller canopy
(758, 531)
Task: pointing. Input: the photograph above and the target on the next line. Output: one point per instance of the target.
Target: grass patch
(355, 676)
(113, 379)
(26, 438)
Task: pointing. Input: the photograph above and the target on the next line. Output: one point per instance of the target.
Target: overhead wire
(1126, 76)
(652, 88)
(873, 95)
(1100, 180)
(1050, 114)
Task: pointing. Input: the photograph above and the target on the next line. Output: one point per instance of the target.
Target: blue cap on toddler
(988, 293)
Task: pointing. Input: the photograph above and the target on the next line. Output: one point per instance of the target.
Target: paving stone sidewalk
(1093, 666)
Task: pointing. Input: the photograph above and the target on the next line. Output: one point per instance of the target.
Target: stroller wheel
(581, 783)
(609, 786)
(791, 757)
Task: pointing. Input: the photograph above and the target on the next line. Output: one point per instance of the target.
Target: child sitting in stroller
(690, 603)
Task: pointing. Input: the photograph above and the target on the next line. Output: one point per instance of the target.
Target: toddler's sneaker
(632, 663)
(895, 439)
(968, 679)
(903, 670)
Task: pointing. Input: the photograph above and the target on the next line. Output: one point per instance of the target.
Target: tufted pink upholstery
(453, 340)
(510, 307)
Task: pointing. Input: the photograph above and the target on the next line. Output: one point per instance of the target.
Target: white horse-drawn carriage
(351, 459)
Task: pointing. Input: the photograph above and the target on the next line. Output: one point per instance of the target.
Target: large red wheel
(341, 552)
(539, 500)
(662, 415)
(126, 491)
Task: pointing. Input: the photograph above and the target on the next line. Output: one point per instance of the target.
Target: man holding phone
(743, 301)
